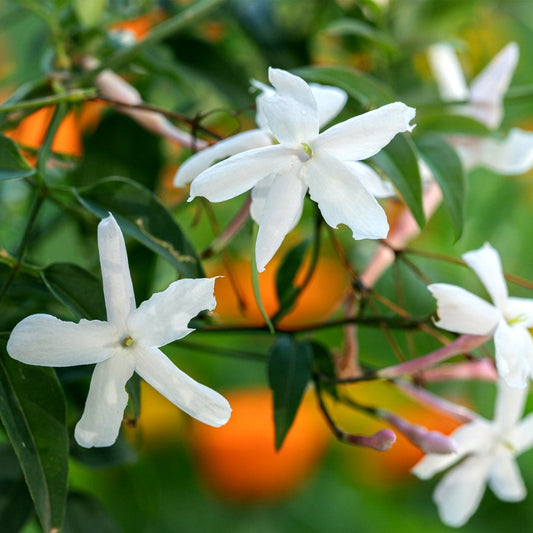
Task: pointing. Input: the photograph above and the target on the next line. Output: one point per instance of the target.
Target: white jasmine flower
(507, 319)
(280, 175)
(128, 342)
(487, 451)
(511, 155)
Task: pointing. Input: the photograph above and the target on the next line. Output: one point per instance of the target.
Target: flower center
(127, 341)
(516, 320)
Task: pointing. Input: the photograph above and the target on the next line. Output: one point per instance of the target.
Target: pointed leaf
(350, 26)
(448, 172)
(77, 288)
(12, 164)
(289, 372)
(32, 411)
(449, 124)
(398, 161)
(85, 514)
(361, 87)
(290, 265)
(140, 214)
(323, 367)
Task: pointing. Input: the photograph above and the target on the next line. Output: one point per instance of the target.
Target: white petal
(520, 311)
(118, 290)
(459, 493)
(486, 263)
(106, 401)
(165, 316)
(488, 88)
(509, 407)
(365, 135)
(282, 211)
(371, 180)
(329, 101)
(259, 196)
(521, 436)
(512, 347)
(45, 340)
(505, 479)
(241, 172)
(461, 311)
(510, 156)
(343, 200)
(195, 399)
(202, 160)
(448, 72)
(261, 98)
(292, 111)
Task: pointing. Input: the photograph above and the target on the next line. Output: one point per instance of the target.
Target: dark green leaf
(450, 125)
(16, 506)
(350, 26)
(358, 85)
(323, 366)
(448, 172)
(289, 372)
(12, 164)
(32, 410)
(140, 214)
(398, 161)
(120, 453)
(77, 288)
(85, 514)
(287, 270)
(133, 409)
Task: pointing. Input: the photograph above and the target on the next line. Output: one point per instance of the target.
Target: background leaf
(289, 372)
(448, 172)
(398, 161)
(12, 164)
(77, 288)
(450, 124)
(140, 214)
(32, 410)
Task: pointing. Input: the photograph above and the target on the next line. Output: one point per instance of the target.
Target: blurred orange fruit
(239, 460)
(321, 297)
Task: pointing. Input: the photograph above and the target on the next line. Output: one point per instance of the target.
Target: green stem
(158, 33)
(71, 97)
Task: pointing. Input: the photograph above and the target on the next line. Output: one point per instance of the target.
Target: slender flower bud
(380, 441)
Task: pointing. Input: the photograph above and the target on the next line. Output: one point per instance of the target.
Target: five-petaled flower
(128, 342)
(487, 451)
(484, 102)
(507, 320)
(302, 159)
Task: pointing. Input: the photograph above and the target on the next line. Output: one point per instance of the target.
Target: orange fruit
(321, 297)
(239, 460)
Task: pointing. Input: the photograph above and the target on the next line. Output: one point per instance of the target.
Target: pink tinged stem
(348, 363)
(461, 345)
(461, 413)
(403, 230)
(480, 369)
(427, 441)
(380, 441)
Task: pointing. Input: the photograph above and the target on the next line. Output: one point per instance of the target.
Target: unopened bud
(380, 441)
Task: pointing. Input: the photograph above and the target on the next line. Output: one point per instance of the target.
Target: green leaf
(448, 172)
(12, 164)
(289, 372)
(350, 26)
(133, 409)
(85, 514)
(323, 366)
(119, 454)
(398, 161)
(16, 506)
(290, 265)
(77, 288)
(32, 411)
(450, 125)
(364, 89)
(140, 214)
(90, 13)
